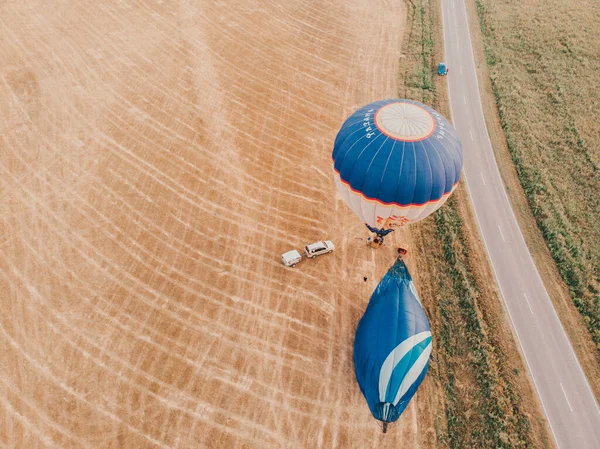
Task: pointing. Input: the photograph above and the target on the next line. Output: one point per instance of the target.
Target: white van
(316, 249)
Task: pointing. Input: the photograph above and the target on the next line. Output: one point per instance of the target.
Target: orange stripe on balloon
(392, 204)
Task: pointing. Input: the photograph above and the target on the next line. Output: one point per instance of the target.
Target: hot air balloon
(392, 345)
(395, 162)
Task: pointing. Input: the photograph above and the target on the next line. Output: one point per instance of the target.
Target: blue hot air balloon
(392, 345)
(395, 162)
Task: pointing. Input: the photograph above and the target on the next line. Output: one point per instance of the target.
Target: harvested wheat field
(156, 159)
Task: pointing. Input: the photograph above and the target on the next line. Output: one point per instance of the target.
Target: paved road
(566, 396)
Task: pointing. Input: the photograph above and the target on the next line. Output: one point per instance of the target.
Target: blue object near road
(392, 346)
(442, 69)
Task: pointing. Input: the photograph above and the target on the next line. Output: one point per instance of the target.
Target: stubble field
(156, 159)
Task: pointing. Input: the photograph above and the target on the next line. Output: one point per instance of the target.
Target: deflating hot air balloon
(395, 162)
(392, 345)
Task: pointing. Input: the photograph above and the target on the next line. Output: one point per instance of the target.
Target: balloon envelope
(392, 345)
(395, 162)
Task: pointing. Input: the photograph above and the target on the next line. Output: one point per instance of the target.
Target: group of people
(377, 240)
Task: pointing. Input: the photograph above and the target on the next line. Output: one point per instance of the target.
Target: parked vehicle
(442, 69)
(316, 249)
(291, 258)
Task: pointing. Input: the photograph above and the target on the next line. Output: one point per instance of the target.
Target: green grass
(465, 334)
(544, 67)
(418, 77)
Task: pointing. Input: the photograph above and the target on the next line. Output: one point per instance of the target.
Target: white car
(291, 258)
(316, 249)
